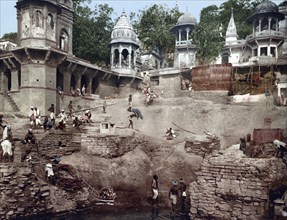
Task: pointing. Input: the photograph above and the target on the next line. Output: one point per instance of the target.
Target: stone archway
(125, 56)
(84, 81)
(73, 82)
(95, 85)
(116, 57)
(7, 81)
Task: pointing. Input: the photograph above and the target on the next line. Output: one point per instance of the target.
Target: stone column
(89, 85)
(112, 57)
(260, 25)
(268, 50)
(269, 24)
(14, 80)
(130, 56)
(67, 82)
(78, 81)
(179, 31)
(187, 34)
(120, 57)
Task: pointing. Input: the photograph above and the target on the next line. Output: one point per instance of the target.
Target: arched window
(116, 57)
(183, 35)
(264, 24)
(50, 21)
(38, 19)
(273, 24)
(64, 40)
(125, 56)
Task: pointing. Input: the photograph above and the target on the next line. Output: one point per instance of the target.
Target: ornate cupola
(124, 45)
(266, 36)
(184, 48)
(44, 23)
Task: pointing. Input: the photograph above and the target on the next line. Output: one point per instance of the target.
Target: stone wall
(71, 142)
(109, 146)
(202, 145)
(231, 186)
(22, 193)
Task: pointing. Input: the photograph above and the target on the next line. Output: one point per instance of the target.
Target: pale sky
(8, 20)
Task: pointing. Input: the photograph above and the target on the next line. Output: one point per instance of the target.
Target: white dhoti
(155, 193)
(173, 199)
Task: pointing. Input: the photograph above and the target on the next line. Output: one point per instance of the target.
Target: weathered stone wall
(22, 193)
(109, 145)
(48, 146)
(202, 145)
(230, 186)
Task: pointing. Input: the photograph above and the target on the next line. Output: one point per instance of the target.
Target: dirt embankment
(191, 118)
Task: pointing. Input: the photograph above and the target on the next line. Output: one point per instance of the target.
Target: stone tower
(124, 45)
(184, 48)
(266, 37)
(45, 23)
(45, 39)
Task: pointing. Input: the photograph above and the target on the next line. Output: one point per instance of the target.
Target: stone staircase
(11, 102)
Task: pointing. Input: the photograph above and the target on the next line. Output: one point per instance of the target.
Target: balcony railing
(265, 33)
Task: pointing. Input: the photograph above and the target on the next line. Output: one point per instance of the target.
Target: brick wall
(109, 145)
(230, 186)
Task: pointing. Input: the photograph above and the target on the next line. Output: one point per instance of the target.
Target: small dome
(186, 19)
(266, 7)
(123, 31)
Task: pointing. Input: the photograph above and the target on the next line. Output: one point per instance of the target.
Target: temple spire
(231, 32)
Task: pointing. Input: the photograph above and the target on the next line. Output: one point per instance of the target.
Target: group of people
(177, 192)
(35, 117)
(150, 95)
(78, 91)
(49, 121)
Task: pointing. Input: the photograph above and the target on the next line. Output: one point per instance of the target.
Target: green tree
(91, 33)
(153, 28)
(10, 37)
(208, 36)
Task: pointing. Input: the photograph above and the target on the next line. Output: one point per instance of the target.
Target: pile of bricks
(231, 186)
(22, 193)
